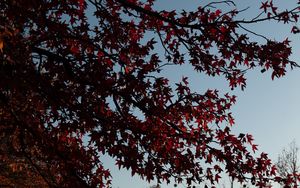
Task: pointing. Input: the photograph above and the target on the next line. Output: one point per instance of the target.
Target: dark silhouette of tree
(288, 164)
(82, 78)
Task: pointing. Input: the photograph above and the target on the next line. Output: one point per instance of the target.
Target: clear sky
(269, 110)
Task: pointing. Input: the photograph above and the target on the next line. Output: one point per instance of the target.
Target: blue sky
(269, 110)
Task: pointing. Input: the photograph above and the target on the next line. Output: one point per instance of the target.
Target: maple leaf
(217, 177)
(218, 12)
(265, 5)
(254, 147)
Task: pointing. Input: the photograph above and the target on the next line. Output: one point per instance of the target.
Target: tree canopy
(82, 78)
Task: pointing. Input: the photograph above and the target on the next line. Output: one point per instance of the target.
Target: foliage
(16, 169)
(75, 72)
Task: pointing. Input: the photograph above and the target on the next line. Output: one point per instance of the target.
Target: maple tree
(75, 74)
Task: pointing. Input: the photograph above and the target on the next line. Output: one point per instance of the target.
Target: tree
(287, 163)
(75, 73)
(16, 169)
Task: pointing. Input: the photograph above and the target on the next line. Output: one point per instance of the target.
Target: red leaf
(265, 5)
